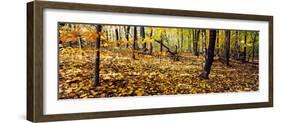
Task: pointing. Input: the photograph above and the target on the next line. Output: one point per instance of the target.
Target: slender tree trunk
(253, 51)
(135, 42)
(204, 43)
(80, 42)
(151, 45)
(182, 37)
(96, 81)
(210, 59)
(188, 41)
(237, 45)
(107, 35)
(142, 31)
(117, 38)
(127, 36)
(227, 46)
(245, 48)
(178, 38)
(217, 41)
(195, 42)
(161, 45)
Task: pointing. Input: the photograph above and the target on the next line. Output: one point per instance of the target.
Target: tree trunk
(161, 45)
(195, 42)
(80, 41)
(142, 31)
(97, 60)
(181, 39)
(150, 44)
(253, 51)
(135, 42)
(245, 48)
(117, 37)
(227, 46)
(168, 49)
(204, 44)
(217, 41)
(210, 59)
(237, 45)
(127, 36)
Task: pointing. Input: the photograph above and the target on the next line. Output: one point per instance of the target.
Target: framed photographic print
(97, 61)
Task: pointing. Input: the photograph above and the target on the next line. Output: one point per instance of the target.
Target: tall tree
(245, 48)
(178, 40)
(237, 45)
(135, 42)
(195, 41)
(127, 36)
(182, 37)
(210, 59)
(204, 48)
(142, 33)
(217, 41)
(117, 37)
(227, 46)
(150, 44)
(96, 81)
(253, 46)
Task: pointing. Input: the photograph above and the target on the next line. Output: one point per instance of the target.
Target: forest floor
(148, 75)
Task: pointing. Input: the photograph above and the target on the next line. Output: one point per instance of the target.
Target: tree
(178, 40)
(195, 41)
(204, 48)
(210, 59)
(218, 42)
(150, 44)
(227, 46)
(127, 36)
(117, 37)
(135, 42)
(253, 46)
(245, 48)
(237, 45)
(97, 60)
(142, 33)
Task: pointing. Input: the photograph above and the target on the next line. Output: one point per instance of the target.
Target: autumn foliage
(136, 61)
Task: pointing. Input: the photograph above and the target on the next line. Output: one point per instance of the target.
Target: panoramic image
(105, 60)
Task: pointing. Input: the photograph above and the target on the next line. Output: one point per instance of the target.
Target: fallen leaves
(121, 76)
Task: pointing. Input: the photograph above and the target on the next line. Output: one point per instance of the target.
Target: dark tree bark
(150, 44)
(117, 38)
(127, 36)
(195, 41)
(96, 81)
(135, 42)
(142, 32)
(167, 48)
(245, 48)
(210, 59)
(227, 46)
(161, 45)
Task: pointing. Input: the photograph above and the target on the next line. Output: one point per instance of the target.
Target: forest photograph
(107, 60)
